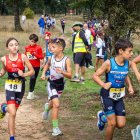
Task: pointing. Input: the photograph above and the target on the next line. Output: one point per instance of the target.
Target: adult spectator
(41, 23)
(53, 22)
(63, 22)
(23, 18)
(100, 52)
(79, 45)
(89, 37)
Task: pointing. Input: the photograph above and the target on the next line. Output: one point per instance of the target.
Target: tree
(123, 17)
(16, 16)
(91, 5)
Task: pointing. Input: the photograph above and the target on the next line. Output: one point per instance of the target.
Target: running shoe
(133, 132)
(3, 110)
(57, 132)
(45, 114)
(75, 79)
(101, 120)
(138, 132)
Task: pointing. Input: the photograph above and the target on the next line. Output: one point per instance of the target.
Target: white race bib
(116, 93)
(30, 56)
(12, 85)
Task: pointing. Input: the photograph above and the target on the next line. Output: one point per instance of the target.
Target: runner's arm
(96, 76)
(68, 72)
(130, 87)
(3, 70)
(133, 65)
(46, 67)
(29, 66)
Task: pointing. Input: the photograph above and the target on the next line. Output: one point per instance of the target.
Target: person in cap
(79, 48)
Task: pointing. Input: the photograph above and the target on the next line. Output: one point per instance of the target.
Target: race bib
(12, 85)
(30, 56)
(117, 93)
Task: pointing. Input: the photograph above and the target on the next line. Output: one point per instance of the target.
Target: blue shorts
(111, 106)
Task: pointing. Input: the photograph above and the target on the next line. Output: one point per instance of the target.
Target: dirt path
(75, 126)
(30, 126)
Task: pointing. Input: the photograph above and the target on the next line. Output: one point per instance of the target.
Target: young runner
(113, 89)
(136, 132)
(34, 54)
(134, 67)
(14, 64)
(60, 67)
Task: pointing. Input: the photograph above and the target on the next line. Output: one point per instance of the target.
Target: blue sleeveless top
(117, 73)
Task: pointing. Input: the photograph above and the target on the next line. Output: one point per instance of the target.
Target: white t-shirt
(87, 35)
(100, 46)
(57, 64)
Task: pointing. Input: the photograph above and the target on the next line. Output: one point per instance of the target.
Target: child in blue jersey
(113, 89)
(48, 56)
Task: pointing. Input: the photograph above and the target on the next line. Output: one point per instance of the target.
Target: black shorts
(15, 97)
(79, 58)
(55, 88)
(111, 106)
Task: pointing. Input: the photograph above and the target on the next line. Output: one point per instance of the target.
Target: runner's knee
(121, 125)
(112, 123)
(56, 105)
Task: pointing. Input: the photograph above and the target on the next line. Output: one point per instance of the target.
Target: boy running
(60, 67)
(14, 64)
(34, 54)
(113, 89)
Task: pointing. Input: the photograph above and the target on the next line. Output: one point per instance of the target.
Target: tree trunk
(2, 8)
(16, 16)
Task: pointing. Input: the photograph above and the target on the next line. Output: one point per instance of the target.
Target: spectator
(41, 23)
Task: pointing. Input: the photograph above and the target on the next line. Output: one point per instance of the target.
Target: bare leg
(11, 119)
(110, 127)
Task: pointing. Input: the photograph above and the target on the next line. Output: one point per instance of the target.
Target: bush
(28, 13)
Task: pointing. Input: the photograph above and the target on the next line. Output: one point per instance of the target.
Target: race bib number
(12, 85)
(117, 93)
(30, 56)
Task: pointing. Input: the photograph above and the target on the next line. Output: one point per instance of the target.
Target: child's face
(32, 42)
(13, 46)
(127, 54)
(46, 36)
(56, 48)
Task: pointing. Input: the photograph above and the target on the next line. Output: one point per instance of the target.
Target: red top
(13, 66)
(47, 36)
(34, 54)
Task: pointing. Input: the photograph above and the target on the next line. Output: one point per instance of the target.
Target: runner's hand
(20, 73)
(107, 85)
(58, 70)
(131, 90)
(43, 77)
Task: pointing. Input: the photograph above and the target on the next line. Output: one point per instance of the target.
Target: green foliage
(29, 13)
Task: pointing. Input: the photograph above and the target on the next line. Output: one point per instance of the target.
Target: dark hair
(10, 39)
(33, 37)
(59, 41)
(122, 44)
(100, 33)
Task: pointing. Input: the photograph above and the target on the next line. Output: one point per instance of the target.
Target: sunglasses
(56, 40)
